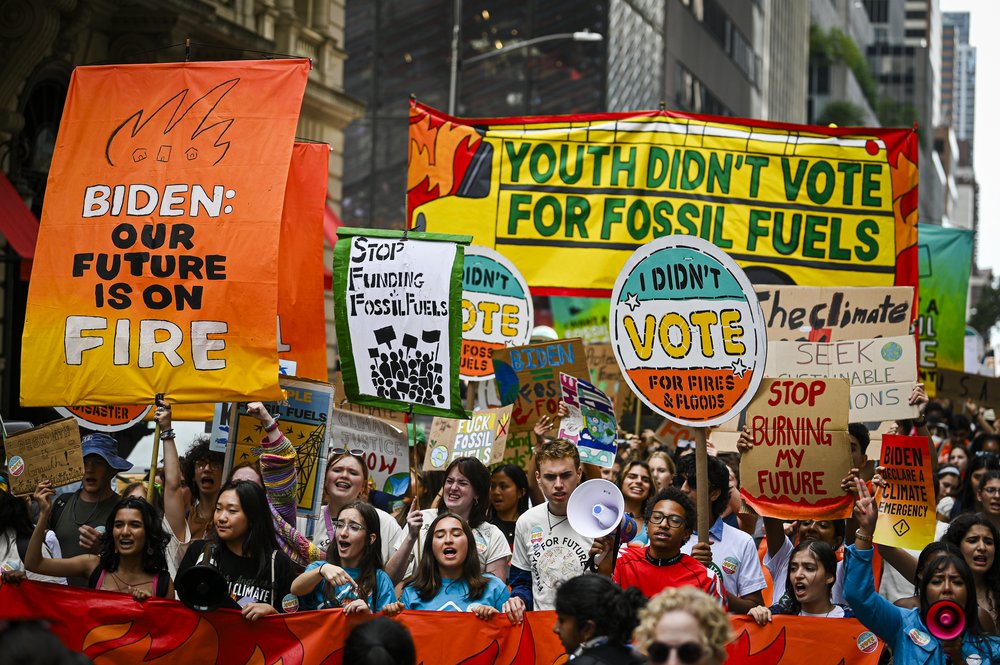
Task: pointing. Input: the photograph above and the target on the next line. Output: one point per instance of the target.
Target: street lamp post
(582, 36)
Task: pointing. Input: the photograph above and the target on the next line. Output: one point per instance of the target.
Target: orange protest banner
(116, 629)
(301, 315)
(160, 234)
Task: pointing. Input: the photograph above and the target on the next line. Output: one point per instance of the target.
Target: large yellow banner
(157, 261)
(569, 198)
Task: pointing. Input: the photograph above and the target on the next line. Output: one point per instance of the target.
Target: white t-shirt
(491, 544)
(836, 613)
(893, 585)
(547, 546)
(778, 567)
(734, 560)
(389, 531)
(10, 558)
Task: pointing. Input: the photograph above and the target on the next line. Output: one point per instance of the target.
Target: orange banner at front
(156, 268)
(116, 629)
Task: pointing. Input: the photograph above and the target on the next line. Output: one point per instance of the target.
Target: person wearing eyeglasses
(683, 626)
(306, 541)
(204, 474)
(595, 619)
(351, 578)
(670, 520)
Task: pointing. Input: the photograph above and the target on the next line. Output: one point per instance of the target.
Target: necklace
(548, 515)
(86, 520)
(125, 585)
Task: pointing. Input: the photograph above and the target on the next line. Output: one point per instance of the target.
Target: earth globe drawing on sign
(892, 351)
(439, 456)
(687, 331)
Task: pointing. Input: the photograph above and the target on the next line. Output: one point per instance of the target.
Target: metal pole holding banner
(701, 478)
(151, 482)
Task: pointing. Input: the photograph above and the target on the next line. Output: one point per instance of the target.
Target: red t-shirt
(634, 568)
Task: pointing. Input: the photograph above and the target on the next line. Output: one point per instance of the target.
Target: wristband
(273, 426)
(166, 434)
(862, 537)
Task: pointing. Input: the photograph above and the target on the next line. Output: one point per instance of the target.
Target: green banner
(945, 264)
(586, 318)
(398, 315)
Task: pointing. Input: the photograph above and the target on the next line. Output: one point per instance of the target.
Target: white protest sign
(882, 371)
(384, 448)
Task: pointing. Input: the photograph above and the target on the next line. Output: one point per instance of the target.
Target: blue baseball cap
(101, 444)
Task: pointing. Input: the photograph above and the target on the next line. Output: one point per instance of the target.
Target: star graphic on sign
(739, 368)
(632, 301)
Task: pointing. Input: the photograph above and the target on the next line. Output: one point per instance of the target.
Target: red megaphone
(945, 619)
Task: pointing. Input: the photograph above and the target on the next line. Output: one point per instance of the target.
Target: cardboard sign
(49, 452)
(591, 422)
(304, 418)
(496, 310)
(687, 331)
(385, 448)
(105, 418)
(959, 386)
(906, 505)
(528, 377)
(161, 226)
(671, 433)
(483, 436)
(882, 372)
(607, 376)
(801, 450)
(827, 314)
(398, 314)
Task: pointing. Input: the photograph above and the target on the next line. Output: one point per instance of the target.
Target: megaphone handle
(591, 565)
(614, 551)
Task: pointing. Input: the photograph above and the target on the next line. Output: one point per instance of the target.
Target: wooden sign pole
(151, 480)
(701, 478)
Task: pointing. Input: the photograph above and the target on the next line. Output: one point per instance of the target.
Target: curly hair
(678, 497)
(556, 449)
(154, 558)
(716, 630)
(199, 452)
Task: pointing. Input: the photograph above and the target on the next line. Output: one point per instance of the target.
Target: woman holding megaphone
(926, 634)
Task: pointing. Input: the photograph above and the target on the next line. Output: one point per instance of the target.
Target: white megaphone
(596, 508)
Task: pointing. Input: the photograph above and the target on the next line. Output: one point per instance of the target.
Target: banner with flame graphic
(792, 204)
(157, 261)
(116, 629)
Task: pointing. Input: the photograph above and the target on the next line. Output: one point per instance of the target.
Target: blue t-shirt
(379, 598)
(454, 596)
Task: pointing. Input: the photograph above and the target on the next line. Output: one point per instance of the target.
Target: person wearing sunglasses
(683, 626)
(595, 619)
(306, 541)
(670, 520)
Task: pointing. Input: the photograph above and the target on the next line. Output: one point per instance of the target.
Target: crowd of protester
(500, 542)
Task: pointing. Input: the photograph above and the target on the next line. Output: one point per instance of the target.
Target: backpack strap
(57, 510)
(160, 584)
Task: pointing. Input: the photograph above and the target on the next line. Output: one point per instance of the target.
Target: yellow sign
(794, 204)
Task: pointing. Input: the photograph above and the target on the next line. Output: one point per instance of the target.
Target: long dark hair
(479, 478)
(595, 598)
(261, 539)
(14, 515)
(428, 580)
(154, 558)
(932, 551)
(957, 530)
(520, 480)
(826, 557)
(380, 641)
(371, 553)
(971, 606)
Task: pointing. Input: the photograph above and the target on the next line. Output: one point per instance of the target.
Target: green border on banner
(945, 261)
(341, 255)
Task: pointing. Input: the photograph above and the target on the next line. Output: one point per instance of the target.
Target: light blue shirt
(454, 596)
(317, 599)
